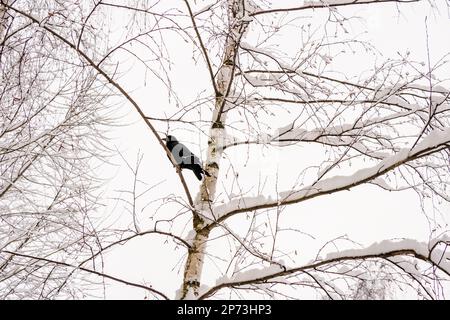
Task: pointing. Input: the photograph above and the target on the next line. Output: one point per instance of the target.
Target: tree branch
(100, 274)
(114, 84)
(327, 4)
(313, 266)
(434, 142)
(202, 47)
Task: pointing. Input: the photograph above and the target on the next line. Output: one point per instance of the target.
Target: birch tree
(51, 113)
(271, 85)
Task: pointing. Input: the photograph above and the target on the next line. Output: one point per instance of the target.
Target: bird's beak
(164, 139)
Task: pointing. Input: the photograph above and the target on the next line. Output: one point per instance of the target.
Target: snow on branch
(319, 4)
(435, 141)
(394, 251)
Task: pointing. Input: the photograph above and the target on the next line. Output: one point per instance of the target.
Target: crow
(184, 157)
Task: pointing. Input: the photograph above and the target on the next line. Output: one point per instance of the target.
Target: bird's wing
(197, 160)
(187, 157)
(179, 151)
(191, 159)
(183, 155)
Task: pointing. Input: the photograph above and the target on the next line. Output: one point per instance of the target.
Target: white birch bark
(224, 79)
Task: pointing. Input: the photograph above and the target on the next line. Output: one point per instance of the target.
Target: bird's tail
(198, 171)
(206, 173)
(198, 174)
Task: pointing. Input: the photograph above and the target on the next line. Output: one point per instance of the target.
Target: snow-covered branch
(89, 271)
(395, 251)
(320, 4)
(435, 141)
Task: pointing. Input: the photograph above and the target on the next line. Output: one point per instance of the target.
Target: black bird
(184, 157)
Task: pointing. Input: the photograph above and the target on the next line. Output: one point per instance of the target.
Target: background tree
(51, 117)
(307, 98)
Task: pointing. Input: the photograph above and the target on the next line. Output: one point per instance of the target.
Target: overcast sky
(366, 214)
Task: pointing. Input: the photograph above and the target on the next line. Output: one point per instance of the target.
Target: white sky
(365, 214)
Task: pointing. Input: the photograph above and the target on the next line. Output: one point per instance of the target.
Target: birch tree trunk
(223, 84)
